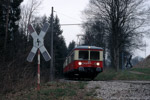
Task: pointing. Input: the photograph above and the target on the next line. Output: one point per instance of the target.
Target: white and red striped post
(38, 81)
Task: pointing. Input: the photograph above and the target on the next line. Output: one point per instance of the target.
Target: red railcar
(84, 61)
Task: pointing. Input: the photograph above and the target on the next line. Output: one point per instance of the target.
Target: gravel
(120, 90)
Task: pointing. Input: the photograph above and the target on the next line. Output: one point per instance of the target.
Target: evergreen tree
(59, 46)
(10, 14)
(71, 46)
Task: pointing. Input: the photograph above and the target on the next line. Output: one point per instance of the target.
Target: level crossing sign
(38, 43)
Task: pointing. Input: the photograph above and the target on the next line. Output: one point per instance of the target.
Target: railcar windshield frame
(83, 55)
(89, 55)
(94, 55)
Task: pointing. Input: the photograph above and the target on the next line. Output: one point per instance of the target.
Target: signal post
(38, 45)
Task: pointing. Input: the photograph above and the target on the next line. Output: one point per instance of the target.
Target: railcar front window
(94, 55)
(83, 55)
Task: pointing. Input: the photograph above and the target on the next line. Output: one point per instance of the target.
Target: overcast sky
(70, 12)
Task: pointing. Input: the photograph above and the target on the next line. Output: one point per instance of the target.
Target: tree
(10, 14)
(71, 46)
(95, 35)
(28, 12)
(136, 60)
(11, 40)
(59, 46)
(122, 20)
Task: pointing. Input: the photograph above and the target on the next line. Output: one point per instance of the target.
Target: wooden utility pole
(51, 63)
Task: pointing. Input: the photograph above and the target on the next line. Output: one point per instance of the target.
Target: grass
(108, 74)
(75, 90)
(111, 74)
(54, 91)
(142, 70)
(57, 93)
(81, 85)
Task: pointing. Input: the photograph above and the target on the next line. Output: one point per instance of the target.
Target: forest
(117, 26)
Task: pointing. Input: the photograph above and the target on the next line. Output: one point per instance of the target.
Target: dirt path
(120, 90)
(135, 72)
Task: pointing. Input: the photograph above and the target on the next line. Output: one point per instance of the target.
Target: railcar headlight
(98, 64)
(79, 63)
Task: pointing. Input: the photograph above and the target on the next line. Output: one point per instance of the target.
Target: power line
(75, 24)
(68, 16)
(69, 24)
(71, 18)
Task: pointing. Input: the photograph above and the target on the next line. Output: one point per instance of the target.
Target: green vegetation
(55, 91)
(91, 93)
(108, 74)
(131, 74)
(142, 70)
(75, 90)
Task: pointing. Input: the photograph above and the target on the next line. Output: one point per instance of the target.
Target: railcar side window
(94, 55)
(83, 55)
(72, 57)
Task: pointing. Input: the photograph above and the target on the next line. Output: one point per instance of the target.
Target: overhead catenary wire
(72, 24)
(68, 16)
(75, 24)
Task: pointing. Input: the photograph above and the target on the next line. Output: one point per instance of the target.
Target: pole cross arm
(32, 31)
(45, 54)
(38, 42)
(32, 54)
(44, 30)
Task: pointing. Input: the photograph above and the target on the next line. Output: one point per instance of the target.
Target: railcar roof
(88, 47)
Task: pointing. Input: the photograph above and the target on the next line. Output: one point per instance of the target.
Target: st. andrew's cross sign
(38, 43)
